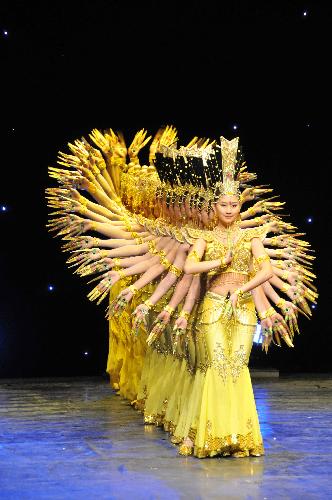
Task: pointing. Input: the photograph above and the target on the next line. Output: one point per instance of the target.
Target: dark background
(70, 67)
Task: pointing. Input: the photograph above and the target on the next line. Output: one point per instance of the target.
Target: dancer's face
(228, 209)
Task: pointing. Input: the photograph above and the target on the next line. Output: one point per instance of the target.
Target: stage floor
(75, 439)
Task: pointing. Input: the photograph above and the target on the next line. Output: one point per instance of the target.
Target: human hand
(137, 144)
(140, 315)
(267, 333)
(159, 326)
(280, 329)
(101, 290)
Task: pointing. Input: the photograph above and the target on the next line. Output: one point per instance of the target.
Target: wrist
(239, 292)
(93, 226)
(281, 303)
(285, 275)
(169, 309)
(222, 263)
(133, 289)
(184, 314)
(267, 313)
(148, 304)
(285, 287)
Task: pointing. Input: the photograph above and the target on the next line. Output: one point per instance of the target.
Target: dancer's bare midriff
(226, 283)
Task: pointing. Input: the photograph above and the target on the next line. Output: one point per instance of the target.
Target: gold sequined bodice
(241, 260)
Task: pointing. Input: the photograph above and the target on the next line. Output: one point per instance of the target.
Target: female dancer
(186, 269)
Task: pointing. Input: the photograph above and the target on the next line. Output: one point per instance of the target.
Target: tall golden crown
(229, 153)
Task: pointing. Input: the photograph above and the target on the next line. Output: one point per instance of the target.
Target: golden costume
(178, 349)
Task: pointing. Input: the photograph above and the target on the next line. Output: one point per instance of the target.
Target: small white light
(5, 33)
(313, 307)
(3, 208)
(86, 353)
(257, 336)
(234, 127)
(305, 13)
(274, 439)
(309, 220)
(308, 125)
(50, 288)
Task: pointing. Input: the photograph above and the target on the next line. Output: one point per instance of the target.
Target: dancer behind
(186, 268)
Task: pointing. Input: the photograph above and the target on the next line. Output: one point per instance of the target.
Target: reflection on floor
(75, 439)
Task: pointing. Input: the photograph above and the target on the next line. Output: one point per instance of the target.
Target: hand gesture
(140, 315)
(137, 144)
(267, 333)
(101, 290)
(159, 326)
(280, 328)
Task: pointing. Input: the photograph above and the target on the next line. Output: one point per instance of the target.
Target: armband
(262, 258)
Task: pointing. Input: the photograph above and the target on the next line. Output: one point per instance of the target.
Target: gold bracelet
(194, 256)
(262, 258)
(285, 287)
(281, 303)
(222, 263)
(258, 220)
(184, 314)
(266, 314)
(93, 226)
(251, 211)
(169, 309)
(139, 241)
(239, 293)
(285, 275)
(148, 304)
(104, 253)
(117, 262)
(133, 289)
(175, 270)
(121, 274)
(134, 235)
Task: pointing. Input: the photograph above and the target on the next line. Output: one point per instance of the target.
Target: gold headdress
(229, 152)
(202, 172)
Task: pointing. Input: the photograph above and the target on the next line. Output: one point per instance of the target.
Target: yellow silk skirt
(221, 418)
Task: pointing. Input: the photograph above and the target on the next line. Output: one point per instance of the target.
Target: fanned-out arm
(174, 272)
(193, 264)
(265, 269)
